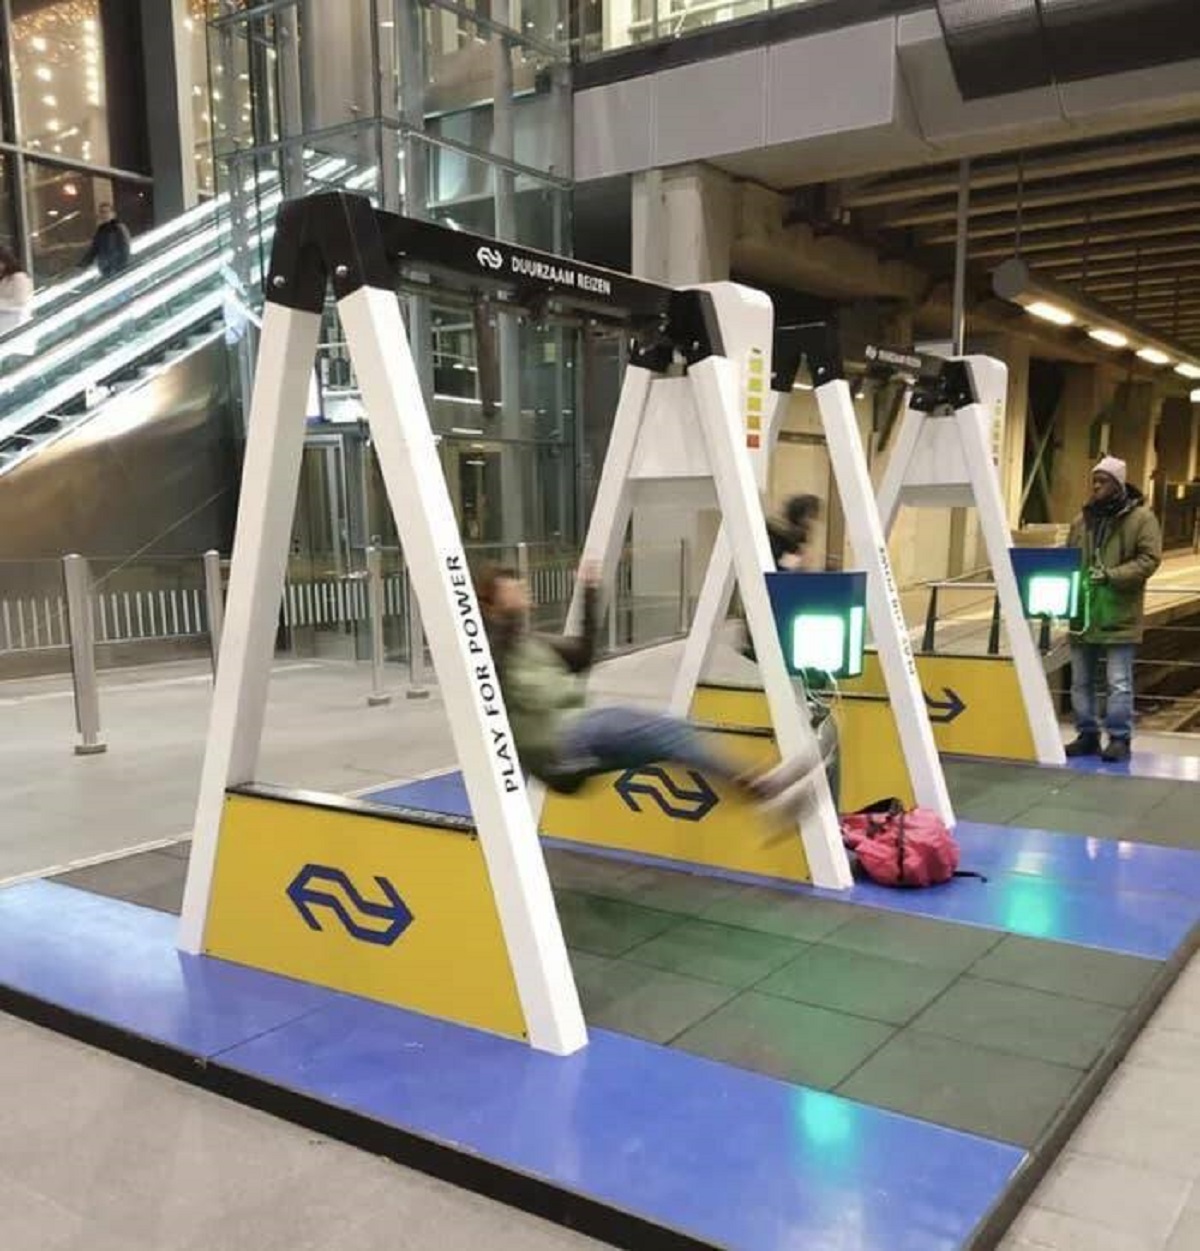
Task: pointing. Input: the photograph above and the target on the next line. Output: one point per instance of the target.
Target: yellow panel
(871, 757)
(451, 961)
(975, 704)
(678, 815)
(754, 385)
(754, 404)
(753, 423)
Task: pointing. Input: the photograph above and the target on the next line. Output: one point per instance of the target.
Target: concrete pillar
(1132, 435)
(1081, 434)
(683, 223)
(1176, 440)
(166, 44)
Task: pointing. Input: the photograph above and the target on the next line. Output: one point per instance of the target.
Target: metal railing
(88, 615)
(962, 616)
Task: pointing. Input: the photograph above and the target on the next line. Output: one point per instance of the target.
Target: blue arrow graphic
(674, 800)
(302, 894)
(948, 709)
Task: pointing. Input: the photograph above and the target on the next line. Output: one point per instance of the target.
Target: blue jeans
(1085, 665)
(604, 740)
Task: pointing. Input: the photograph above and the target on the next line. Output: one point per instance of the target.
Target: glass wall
(610, 25)
(455, 112)
(8, 220)
(73, 127)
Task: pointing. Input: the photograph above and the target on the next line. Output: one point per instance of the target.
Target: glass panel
(64, 212)
(467, 67)
(471, 193)
(607, 25)
(242, 104)
(336, 64)
(202, 129)
(8, 214)
(78, 81)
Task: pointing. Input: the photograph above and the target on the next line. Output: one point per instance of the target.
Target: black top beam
(476, 263)
(340, 238)
(938, 385)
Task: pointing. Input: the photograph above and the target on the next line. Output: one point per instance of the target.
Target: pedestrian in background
(110, 244)
(1122, 547)
(16, 292)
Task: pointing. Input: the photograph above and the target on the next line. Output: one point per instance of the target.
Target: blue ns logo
(674, 800)
(318, 886)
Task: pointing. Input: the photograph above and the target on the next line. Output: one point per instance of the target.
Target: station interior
(313, 313)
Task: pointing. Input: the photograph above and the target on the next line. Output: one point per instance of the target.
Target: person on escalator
(110, 244)
(16, 292)
(559, 739)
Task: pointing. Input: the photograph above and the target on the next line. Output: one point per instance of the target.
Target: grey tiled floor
(99, 1154)
(1128, 1181)
(1130, 1177)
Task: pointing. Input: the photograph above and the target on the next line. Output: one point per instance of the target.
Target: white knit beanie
(1112, 466)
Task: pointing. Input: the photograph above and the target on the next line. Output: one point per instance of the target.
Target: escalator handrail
(199, 217)
(200, 311)
(112, 324)
(69, 291)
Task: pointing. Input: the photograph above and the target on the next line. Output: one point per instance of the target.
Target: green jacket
(544, 681)
(1127, 546)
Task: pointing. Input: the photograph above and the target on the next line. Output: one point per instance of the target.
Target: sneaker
(1117, 751)
(1084, 745)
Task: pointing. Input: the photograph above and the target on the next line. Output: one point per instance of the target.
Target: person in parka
(1121, 548)
(110, 246)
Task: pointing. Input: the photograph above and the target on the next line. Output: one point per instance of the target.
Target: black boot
(1086, 744)
(1117, 751)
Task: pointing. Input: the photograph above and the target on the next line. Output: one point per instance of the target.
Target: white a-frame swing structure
(945, 454)
(340, 240)
(719, 421)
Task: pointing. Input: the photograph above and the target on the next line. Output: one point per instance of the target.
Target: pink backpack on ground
(898, 848)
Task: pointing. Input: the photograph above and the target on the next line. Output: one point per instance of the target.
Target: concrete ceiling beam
(1147, 150)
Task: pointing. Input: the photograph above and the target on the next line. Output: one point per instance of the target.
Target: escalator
(121, 388)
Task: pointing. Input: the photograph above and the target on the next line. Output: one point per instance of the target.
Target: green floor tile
(1132, 795)
(997, 805)
(994, 772)
(647, 1003)
(1172, 823)
(1011, 1098)
(717, 953)
(583, 962)
(688, 894)
(1056, 1028)
(934, 944)
(848, 981)
(778, 912)
(596, 875)
(1053, 816)
(607, 927)
(791, 1041)
(1060, 968)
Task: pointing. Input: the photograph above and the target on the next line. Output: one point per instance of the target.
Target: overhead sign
(474, 261)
